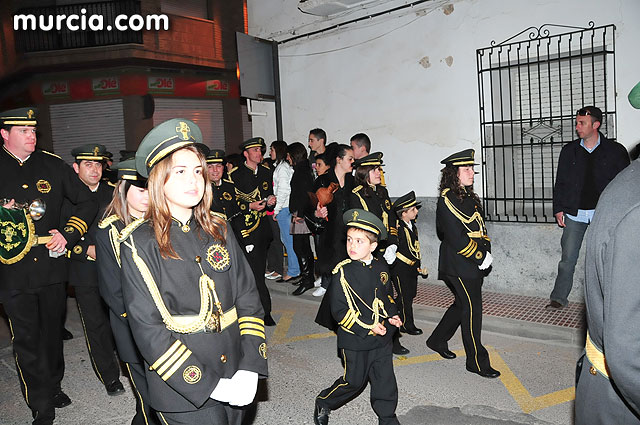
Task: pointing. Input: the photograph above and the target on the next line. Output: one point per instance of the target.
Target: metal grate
(39, 40)
(529, 92)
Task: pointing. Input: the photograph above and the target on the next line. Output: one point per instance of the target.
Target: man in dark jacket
(585, 167)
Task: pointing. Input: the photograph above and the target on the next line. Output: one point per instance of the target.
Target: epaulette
(444, 192)
(265, 166)
(340, 265)
(228, 180)
(219, 215)
(357, 188)
(52, 154)
(108, 220)
(232, 170)
(111, 184)
(130, 228)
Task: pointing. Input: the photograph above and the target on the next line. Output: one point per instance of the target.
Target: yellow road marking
(521, 396)
(526, 401)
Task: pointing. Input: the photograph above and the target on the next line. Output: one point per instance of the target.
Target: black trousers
(275, 250)
(145, 415)
(257, 259)
(405, 283)
(97, 333)
(36, 319)
(373, 366)
(221, 414)
(302, 246)
(466, 312)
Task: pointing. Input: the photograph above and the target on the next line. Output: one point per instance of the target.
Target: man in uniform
(224, 192)
(608, 390)
(83, 273)
(31, 287)
(254, 193)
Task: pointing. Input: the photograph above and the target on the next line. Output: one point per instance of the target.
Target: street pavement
(536, 386)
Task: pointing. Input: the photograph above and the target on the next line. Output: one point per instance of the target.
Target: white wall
(409, 79)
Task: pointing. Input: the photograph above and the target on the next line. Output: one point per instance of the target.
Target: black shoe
(66, 335)
(61, 400)
(114, 387)
(444, 352)
(291, 279)
(400, 350)
(268, 320)
(321, 415)
(487, 373)
(411, 331)
(553, 306)
(301, 290)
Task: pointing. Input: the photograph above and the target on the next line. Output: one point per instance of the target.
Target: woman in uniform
(130, 202)
(189, 293)
(465, 258)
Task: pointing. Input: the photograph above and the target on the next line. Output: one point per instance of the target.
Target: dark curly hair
(449, 180)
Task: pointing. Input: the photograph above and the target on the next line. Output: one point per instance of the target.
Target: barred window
(529, 94)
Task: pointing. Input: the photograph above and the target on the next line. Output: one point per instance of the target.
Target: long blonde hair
(160, 216)
(118, 204)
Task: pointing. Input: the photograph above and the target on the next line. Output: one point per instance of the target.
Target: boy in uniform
(362, 304)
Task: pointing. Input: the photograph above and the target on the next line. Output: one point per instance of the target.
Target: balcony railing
(38, 36)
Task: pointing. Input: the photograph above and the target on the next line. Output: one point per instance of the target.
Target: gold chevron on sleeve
(251, 326)
(469, 249)
(78, 223)
(166, 355)
(349, 319)
(176, 365)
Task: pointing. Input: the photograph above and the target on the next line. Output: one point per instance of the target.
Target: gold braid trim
(114, 237)
(413, 248)
(206, 302)
(465, 219)
(248, 197)
(130, 228)
(33, 240)
(107, 221)
(376, 306)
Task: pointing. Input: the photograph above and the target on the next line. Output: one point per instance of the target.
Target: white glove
(239, 390)
(246, 385)
(390, 253)
(222, 391)
(488, 259)
(248, 248)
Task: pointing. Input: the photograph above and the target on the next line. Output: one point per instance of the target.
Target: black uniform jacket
(463, 235)
(45, 176)
(251, 186)
(376, 201)
(110, 284)
(184, 363)
(610, 158)
(408, 253)
(357, 292)
(301, 185)
(82, 268)
(224, 202)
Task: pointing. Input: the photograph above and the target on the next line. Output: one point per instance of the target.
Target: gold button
(186, 228)
(25, 186)
(223, 358)
(35, 260)
(592, 370)
(198, 259)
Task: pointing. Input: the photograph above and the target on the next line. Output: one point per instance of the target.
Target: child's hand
(379, 329)
(395, 321)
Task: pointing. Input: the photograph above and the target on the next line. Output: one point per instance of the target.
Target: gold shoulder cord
(465, 219)
(375, 308)
(114, 237)
(196, 324)
(413, 248)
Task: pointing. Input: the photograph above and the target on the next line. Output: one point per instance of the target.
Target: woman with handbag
(299, 206)
(331, 247)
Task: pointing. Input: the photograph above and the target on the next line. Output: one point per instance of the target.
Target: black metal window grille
(529, 92)
(40, 40)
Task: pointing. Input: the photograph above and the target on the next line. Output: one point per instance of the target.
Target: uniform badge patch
(192, 374)
(243, 207)
(69, 229)
(227, 196)
(43, 186)
(263, 350)
(77, 249)
(218, 258)
(384, 277)
(387, 204)
(265, 185)
(478, 255)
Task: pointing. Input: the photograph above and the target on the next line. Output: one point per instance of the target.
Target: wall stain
(425, 62)
(449, 60)
(448, 9)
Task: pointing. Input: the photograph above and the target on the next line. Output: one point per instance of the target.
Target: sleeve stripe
(169, 363)
(177, 364)
(166, 355)
(252, 332)
(80, 222)
(469, 249)
(75, 226)
(251, 319)
(252, 326)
